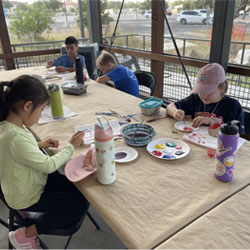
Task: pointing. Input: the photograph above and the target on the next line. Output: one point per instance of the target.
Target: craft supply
(150, 106)
(56, 101)
(174, 149)
(211, 152)
(138, 129)
(125, 154)
(156, 119)
(226, 151)
(104, 146)
(183, 119)
(143, 136)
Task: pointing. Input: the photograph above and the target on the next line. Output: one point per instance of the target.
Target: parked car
(203, 12)
(191, 16)
(148, 14)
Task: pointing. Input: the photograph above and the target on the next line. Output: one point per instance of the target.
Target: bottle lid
(103, 132)
(230, 128)
(53, 87)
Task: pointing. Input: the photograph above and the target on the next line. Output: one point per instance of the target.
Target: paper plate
(74, 170)
(185, 127)
(125, 154)
(168, 149)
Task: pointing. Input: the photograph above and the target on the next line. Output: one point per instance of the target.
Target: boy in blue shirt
(65, 63)
(124, 79)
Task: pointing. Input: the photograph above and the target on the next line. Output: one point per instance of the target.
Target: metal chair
(16, 221)
(147, 79)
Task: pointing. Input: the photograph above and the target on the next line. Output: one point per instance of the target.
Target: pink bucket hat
(208, 79)
(81, 166)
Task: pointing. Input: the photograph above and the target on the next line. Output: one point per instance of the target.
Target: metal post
(81, 18)
(93, 10)
(222, 30)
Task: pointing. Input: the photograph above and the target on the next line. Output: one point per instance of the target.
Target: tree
(30, 22)
(241, 5)
(146, 5)
(50, 5)
(106, 19)
(7, 4)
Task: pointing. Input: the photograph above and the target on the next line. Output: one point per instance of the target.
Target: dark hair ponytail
(22, 89)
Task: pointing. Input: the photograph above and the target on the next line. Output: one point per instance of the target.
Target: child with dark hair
(124, 79)
(27, 176)
(208, 103)
(66, 62)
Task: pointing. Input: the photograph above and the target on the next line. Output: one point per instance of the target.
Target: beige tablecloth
(151, 198)
(224, 227)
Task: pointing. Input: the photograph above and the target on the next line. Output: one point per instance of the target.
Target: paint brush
(156, 119)
(183, 119)
(138, 128)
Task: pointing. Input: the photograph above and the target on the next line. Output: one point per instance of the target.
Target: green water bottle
(55, 101)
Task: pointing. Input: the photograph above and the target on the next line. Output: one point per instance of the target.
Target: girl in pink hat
(208, 103)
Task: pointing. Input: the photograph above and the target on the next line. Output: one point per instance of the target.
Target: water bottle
(104, 146)
(79, 70)
(56, 101)
(226, 151)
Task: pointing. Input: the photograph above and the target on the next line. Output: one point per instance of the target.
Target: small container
(226, 151)
(56, 101)
(150, 106)
(138, 135)
(105, 157)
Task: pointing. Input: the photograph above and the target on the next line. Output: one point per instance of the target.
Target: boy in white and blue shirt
(65, 63)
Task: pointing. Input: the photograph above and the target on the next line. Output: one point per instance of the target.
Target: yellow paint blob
(160, 146)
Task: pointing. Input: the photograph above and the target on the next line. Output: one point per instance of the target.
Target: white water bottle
(104, 146)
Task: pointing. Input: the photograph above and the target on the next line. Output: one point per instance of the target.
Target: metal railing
(175, 83)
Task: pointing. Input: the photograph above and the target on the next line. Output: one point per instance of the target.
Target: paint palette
(185, 126)
(125, 154)
(168, 149)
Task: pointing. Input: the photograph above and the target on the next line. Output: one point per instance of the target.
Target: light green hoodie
(24, 168)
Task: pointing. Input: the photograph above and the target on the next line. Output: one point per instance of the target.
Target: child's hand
(76, 139)
(48, 143)
(50, 64)
(179, 114)
(201, 120)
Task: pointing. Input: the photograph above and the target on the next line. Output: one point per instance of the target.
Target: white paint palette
(168, 149)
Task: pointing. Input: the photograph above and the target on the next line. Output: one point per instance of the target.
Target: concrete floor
(86, 238)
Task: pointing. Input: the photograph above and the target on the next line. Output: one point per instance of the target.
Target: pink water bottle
(226, 151)
(104, 146)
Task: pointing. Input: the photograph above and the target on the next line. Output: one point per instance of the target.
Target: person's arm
(61, 69)
(103, 79)
(176, 113)
(26, 152)
(48, 143)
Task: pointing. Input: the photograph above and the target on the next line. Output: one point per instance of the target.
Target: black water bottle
(79, 70)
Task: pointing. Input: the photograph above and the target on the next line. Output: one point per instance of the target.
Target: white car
(191, 16)
(148, 14)
(203, 12)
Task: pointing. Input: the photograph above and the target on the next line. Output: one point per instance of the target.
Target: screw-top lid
(230, 128)
(103, 132)
(53, 87)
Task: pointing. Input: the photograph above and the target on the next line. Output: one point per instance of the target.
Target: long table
(151, 199)
(224, 227)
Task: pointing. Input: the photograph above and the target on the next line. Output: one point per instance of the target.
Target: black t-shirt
(228, 108)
